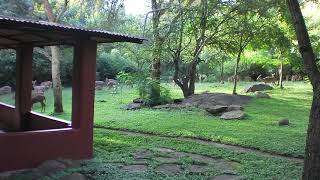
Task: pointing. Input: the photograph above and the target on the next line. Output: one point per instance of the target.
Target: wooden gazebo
(34, 138)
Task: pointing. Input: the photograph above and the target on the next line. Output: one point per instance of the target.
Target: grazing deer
(111, 83)
(38, 89)
(231, 78)
(47, 84)
(269, 79)
(39, 97)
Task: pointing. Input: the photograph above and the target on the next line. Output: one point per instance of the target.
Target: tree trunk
(235, 78)
(55, 61)
(281, 74)
(56, 81)
(311, 170)
(222, 72)
(156, 64)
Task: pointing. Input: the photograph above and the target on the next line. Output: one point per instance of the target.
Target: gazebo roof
(16, 31)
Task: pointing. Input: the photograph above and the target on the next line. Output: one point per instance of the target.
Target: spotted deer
(269, 79)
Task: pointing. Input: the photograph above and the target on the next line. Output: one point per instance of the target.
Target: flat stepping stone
(142, 154)
(226, 177)
(135, 168)
(75, 176)
(166, 159)
(204, 159)
(238, 114)
(169, 169)
(224, 166)
(165, 150)
(198, 168)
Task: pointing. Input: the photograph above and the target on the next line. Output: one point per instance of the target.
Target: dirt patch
(169, 169)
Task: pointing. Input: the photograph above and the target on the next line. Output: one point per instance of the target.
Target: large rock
(262, 95)
(258, 87)
(133, 106)
(214, 110)
(5, 90)
(232, 115)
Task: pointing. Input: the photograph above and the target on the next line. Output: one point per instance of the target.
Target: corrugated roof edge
(57, 26)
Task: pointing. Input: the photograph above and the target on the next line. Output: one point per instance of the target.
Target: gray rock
(5, 90)
(232, 115)
(133, 106)
(169, 169)
(257, 87)
(50, 167)
(283, 122)
(214, 110)
(226, 177)
(234, 107)
(262, 95)
(75, 176)
(138, 100)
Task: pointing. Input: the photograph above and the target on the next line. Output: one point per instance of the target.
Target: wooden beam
(83, 89)
(23, 85)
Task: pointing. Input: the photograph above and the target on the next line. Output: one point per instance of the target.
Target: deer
(38, 89)
(269, 79)
(231, 78)
(48, 84)
(39, 98)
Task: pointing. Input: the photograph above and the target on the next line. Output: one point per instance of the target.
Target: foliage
(145, 86)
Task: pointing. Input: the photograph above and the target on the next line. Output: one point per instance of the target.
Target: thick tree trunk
(55, 60)
(311, 170)
(235, 78)
(56, 81)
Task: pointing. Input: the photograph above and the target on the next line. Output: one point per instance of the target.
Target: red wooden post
(83, 89)
(24, 56)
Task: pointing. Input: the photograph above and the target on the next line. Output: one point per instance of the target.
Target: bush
(147, 89)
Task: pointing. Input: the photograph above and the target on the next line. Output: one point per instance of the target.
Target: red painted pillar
(24, 56)
(83, 89)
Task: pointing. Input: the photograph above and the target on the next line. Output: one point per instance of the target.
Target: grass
(259, 130)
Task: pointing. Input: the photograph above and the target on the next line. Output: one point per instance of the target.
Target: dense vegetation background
(270, 38)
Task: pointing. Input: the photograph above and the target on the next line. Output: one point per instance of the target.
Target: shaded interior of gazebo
(32, 138)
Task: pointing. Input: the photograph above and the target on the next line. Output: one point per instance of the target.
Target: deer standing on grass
(269, 79)
(39, 98)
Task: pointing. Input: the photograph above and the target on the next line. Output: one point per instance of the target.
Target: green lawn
(258, 130)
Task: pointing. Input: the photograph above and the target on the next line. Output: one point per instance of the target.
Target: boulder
(74, 176)
(257, 87)
(232, 115)
(214, 110)
(5, 90)
(133, 106)
(283, 122)
(262, 95)
(138, 100)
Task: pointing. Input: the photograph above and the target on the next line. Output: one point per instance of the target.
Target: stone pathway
(168, 162)
(235, 148)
